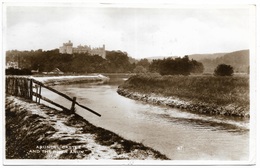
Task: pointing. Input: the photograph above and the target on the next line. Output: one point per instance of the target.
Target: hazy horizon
(141, 32)
(144, 56)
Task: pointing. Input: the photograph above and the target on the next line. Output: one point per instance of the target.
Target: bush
(177, 66)
(140, 69)
(13, 71)
(223, 70)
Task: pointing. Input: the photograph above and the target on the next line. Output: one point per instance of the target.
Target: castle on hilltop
(68, 48)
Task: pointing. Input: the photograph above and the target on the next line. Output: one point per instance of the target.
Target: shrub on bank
(13, 71)
(209, 89)
(224, 70)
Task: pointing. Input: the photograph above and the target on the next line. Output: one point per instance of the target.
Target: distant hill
(239, 60)
(198, 57)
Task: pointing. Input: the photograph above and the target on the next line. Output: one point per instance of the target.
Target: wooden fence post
(23, 87)
(72, 109)
(31, 89)
(40, 89)
(36, 91)
(15, 86)
(6, 85)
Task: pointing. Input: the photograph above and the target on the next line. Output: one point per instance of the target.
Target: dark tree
(144, 63)
(223, 70)
(177, 66)
(155, 65)
(118, 61)
(197, 67)
(140, 69)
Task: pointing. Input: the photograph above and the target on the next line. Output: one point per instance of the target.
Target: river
(178, 134)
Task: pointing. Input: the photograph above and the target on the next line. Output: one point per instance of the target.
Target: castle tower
(69, 47)
(66, 48)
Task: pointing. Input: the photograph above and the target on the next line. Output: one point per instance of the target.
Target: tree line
(46, 61)
(115, 62)
(177, 66)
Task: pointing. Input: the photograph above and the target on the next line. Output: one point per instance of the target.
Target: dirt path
(38, 132)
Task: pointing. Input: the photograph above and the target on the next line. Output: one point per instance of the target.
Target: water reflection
(206, 124)
(174, 132)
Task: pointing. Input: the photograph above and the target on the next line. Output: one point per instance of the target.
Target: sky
(140, 31)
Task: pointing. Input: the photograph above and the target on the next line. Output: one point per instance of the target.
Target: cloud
(139, 31)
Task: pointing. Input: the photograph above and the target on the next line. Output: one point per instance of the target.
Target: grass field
(207, 89)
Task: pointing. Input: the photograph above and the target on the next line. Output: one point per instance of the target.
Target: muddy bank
(39, 132)
(197, 107)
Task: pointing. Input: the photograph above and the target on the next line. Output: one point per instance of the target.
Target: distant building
(12, 64)
(68, 48)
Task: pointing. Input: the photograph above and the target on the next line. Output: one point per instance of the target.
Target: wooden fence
(24, 87)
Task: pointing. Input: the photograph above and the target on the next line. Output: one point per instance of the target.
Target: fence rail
(24, 87)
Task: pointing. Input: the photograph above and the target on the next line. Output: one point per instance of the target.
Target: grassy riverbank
(211, 91)
(39, 132)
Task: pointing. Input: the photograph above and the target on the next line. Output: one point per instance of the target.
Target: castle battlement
(68, 48)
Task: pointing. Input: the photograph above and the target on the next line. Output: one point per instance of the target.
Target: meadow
(212, 90)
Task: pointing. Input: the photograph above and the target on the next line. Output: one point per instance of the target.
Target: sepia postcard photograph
(128, 83)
